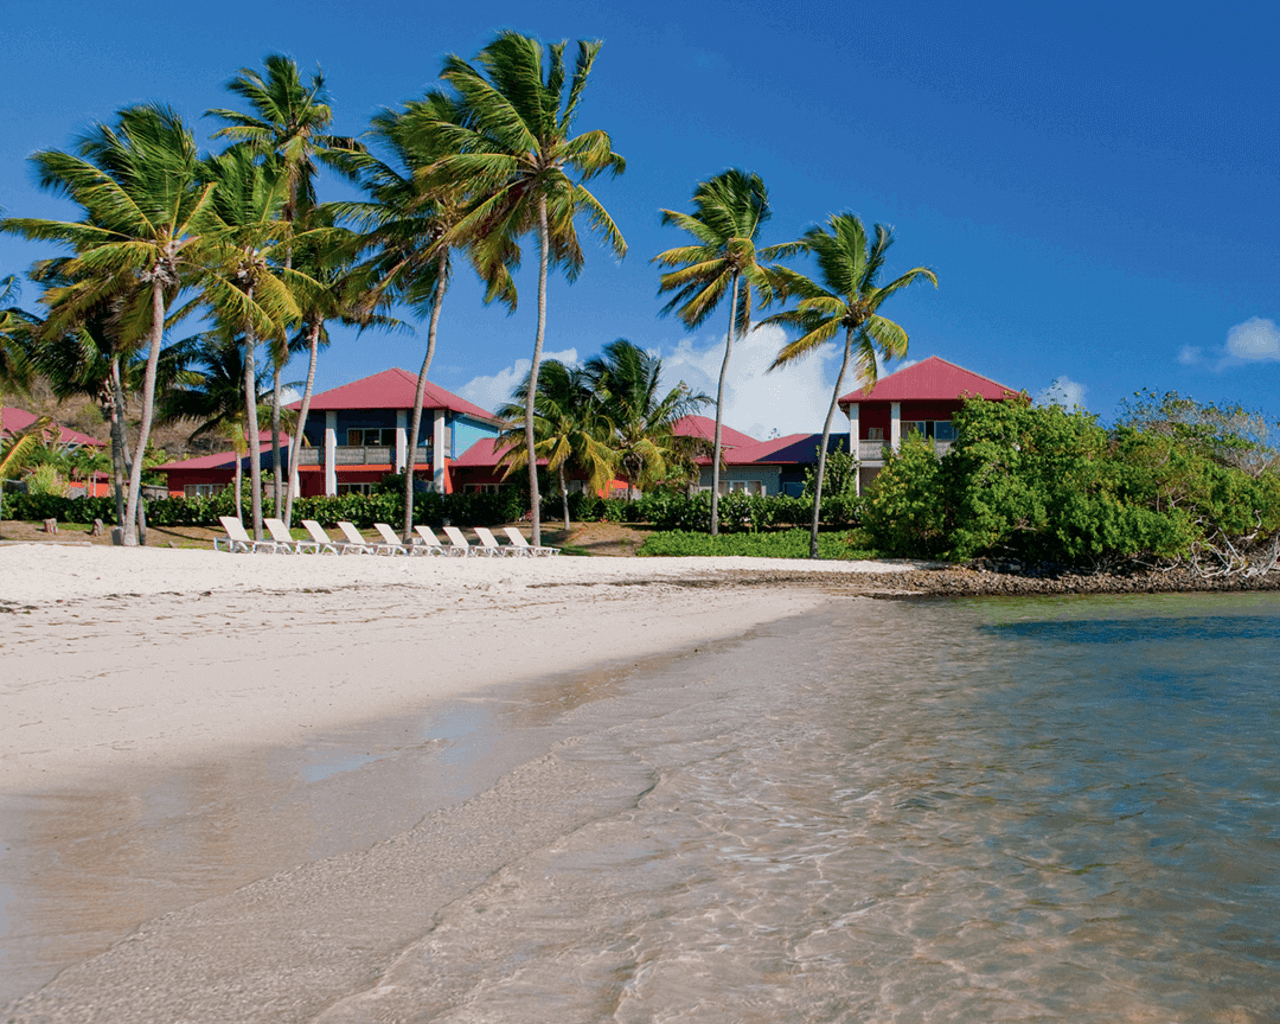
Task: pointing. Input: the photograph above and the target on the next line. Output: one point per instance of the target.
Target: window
(201, 490)
(372, 437)
(741, 486)
(875, 433)
(355, 488)
(939, 430)
(481, 488)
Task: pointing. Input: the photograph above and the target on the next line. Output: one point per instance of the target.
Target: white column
(437, 451)
(895, 425)
(402, 428)
(331, 453)
(855, 435)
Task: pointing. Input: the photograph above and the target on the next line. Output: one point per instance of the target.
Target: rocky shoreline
(957, 581)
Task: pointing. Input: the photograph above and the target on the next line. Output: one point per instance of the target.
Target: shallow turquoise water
(908, 812)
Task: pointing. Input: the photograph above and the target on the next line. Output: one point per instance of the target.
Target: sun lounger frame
(430, 543)
(519, 541)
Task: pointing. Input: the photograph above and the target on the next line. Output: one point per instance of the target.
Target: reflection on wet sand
(83, 867)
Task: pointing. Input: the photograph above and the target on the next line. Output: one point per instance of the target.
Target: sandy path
(133, 657)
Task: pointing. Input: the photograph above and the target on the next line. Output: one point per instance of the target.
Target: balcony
(362, 455)
(872, 452)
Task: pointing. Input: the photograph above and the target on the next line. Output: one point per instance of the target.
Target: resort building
(354, 436)
(358, 433)
(14, 420)
(922, 398)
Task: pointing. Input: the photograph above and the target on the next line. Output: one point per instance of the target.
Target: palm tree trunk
(420, 394)
(564, 497)
(130, 525)
(119, 440)
(251, 409)
(277, 470)
(724, 370)
(295, 449)
(534, 497)
(822, 451)
(239, 485)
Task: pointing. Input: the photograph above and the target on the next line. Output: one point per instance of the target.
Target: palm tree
(248, 291)
(510, 143)
(326, 255)
(627, 382)
(569, 424)
(405, 224)
(288, 123)
(142, 237)
(729, 210)
(94, 358)
(15, 369)
(213, 396)
(16, 325)
(848, 296)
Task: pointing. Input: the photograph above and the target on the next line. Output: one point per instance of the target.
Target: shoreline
(142, 656)
(117, 657)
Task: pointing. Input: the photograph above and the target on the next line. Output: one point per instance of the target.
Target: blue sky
(1096, 187)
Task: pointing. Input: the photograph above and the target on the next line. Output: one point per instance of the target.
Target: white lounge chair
(389, 539)
(520, 543)
(325, 545)
(238, 540)
(284, 539)
(460, 542)
(355, 540)
(430, 544)
(490, 543)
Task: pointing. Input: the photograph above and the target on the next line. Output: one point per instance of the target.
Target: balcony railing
(873, 451)
(361, 455)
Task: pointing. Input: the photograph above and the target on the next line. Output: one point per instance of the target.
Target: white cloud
(1190, 355)
(1063, 391)
(790, 400)
(1255, 339)
(492, 392)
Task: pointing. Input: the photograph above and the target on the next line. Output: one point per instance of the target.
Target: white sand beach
(116, 657)
(158, 708)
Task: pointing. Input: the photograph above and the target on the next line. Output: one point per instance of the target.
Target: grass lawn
(836, 544)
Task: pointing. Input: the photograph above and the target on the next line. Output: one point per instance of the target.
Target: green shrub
(1054, 488)
(905, 510)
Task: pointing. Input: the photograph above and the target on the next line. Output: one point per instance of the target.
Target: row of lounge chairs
(425, 543)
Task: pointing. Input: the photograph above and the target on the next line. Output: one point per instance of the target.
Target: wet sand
(176, 725)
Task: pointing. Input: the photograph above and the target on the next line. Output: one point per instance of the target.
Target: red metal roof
(931, 379)
(484, 454)
(779, 450)
(705, 427)
(221, 460)
(391, 389)
(13, 420)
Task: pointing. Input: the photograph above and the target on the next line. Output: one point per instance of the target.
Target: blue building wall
(467, 432)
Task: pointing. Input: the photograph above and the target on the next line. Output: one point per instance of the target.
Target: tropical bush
(738, 512)
(1049, 487)
(362, 509)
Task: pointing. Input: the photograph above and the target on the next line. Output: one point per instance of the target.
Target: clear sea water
(908, 811)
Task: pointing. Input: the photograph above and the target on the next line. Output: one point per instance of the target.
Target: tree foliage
(1047, 487)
